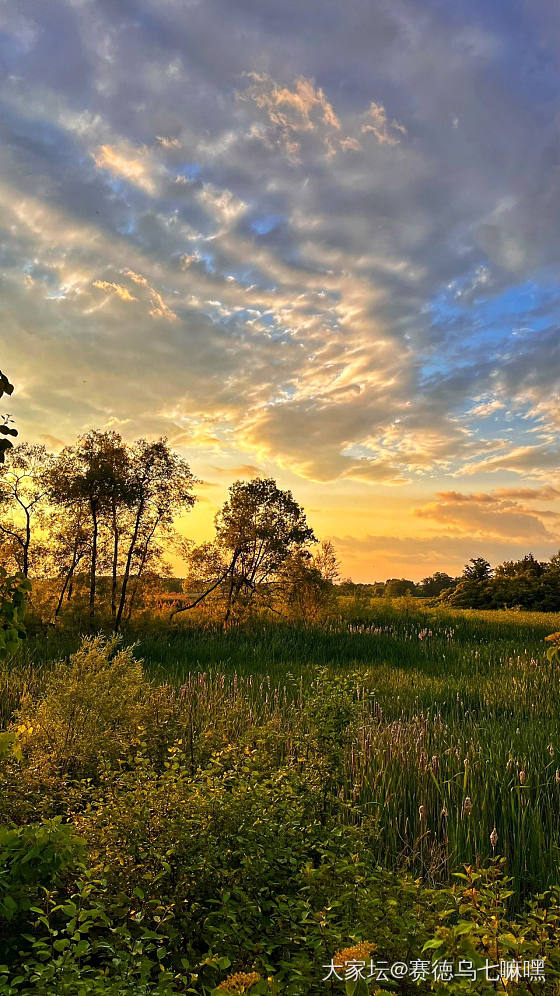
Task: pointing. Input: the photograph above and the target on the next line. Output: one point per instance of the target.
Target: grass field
(460, 705)
(430, 739)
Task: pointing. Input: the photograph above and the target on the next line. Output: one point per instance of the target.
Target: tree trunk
(27, 543)
(232, 587)
(115, 561)
(141, 567)
(69, 576)
(128, 563)
(92, 579)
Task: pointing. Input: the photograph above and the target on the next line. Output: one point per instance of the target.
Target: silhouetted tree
(397, 587)
(159, 487)
(437, 582)
(258, 528)
(89, 474)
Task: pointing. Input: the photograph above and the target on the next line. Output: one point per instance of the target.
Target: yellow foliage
(239, 982)
(90, 709)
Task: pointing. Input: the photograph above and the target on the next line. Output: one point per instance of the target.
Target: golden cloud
(386, 132)
(118, 289)
(133, 166)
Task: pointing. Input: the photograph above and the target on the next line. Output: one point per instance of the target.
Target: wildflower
(467, 805)
(494, 838)
(359, 952)
(422, 812)
(551, 750)
(522, 776)
(239, 982)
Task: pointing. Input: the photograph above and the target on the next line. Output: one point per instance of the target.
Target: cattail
(494, 838)
(467, 805)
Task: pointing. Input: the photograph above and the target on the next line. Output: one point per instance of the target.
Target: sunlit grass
(458, 728)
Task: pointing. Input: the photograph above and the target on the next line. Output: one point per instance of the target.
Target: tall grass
(456, 726)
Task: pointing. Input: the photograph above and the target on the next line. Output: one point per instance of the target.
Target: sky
(316, 241)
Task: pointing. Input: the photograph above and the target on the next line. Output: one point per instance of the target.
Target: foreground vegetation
(230, 814)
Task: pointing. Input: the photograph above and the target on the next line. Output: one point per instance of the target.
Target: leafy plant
(13, 592)
(88, 713)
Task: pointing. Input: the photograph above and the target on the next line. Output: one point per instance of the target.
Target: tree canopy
(259, 527)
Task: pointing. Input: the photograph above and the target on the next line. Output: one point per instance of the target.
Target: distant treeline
(526, 583)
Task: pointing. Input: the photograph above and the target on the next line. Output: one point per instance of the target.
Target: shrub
(13, 592)
(89, 712)
(32, 857)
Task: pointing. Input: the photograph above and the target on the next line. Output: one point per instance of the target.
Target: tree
(121, 498)
(159, 486)
(68, 546)
(90, 475)
(5, 428)
(478, 569)
(527, 567)
(474, 587)
(307, 583)
(437, 582)
(258, 528)
(327, 562)
(23, 488)
(398, 587)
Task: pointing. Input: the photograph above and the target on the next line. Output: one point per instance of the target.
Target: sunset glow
(312, 241)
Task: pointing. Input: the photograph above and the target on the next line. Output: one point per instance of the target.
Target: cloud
(386, 132)
(118, 289)
(532, 461)
(498, 514)
(245, 470)
(546, 493)
(160, 309)
(291, 113)
(126, 163)
(274, 239)
(168, 143)
(486, 408)
(136, 277)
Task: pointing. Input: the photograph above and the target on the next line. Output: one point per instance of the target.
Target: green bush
(89, 711)
(32, 857)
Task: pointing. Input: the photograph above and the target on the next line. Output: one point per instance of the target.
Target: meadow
(251, 800)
